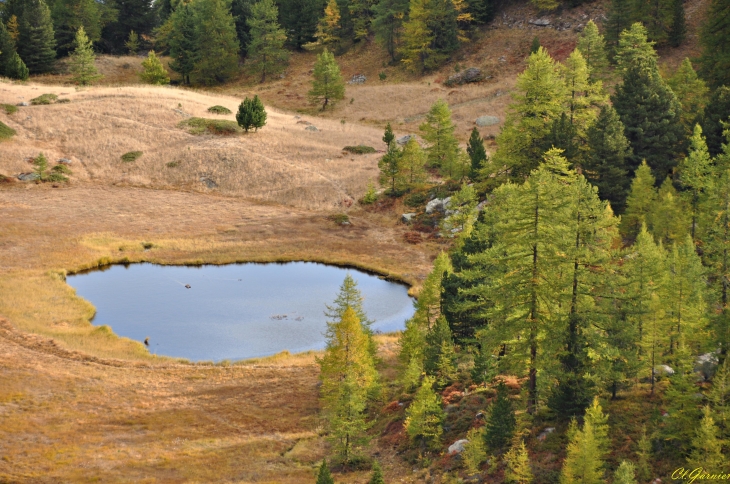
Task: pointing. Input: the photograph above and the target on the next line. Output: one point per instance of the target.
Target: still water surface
(234, 311)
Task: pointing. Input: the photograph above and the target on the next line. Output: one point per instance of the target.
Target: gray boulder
(437, 204)
(28, 177)
(358, 79)
(208, 182)
(403, 140)
(407, 218)
(544, 434)
(540, 22)
(64, 161)
(458, 446)
(472, 74)
(486, 120)
(311, 127)
(706, 365)
(663, 370)
(24, 104)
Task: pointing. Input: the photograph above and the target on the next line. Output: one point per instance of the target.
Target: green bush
(340, 218)
(215, 126)
(131, 156)
(219, 110)
(416, 199)
(63, 100)
(251, 114)
(44, 99)
(359, 149)
(172, 164)
(9, 108)
(6, 132)
(62, 169)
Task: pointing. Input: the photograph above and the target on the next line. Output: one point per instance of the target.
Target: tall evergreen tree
(501, 422)
(329, 28)
(715, 40)
(477, 153)
(691, 92)
(695, 176)
(685, 295)
(323, 474)
(69, 15)
(413, 163)
(82, 60)
(182, 41)
(643, 454)
(377, 476)
(682, 405)
(388, 136)
(707, 447)
(678, 27)
(668, 220)
(217, 46)
(430, 34)
(605, 164)
(583, 463)
(438, 131)
(137, 15)
(716, 113)
(361, 13)
(349, 297)
(719, 398)
(619, 19)
(266, 52)
(299, 19)
(10, 64)
(424, 416)
(593, 47)
(36, 44)
(483, 11)
(518, 464)
(392, 173)
(625, 474)
(241, 11)
(328, 87)
(388, 24)
(639, 203)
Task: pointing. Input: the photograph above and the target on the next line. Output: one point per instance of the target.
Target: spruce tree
(625, 474)
(392, 173)
(299, 19)
(388, 136)
(377, 476)
(251, 114)
(501, 421)
(323, 475)
(593, 47)
(36, 44)
(328, 87)
(605, 163)
(154, 72)
(639, 202)
(518, 465)
(717, 112)
(692, 94)
(438, 131)
(539, 100)
(413, 163)
(647, 107)
(329, 26)
(69, 15)
(678, 27)
(182, 41)
(535, 45)
(217, 47)
(347, 375)
(266, 53)
(388, 24)
(424, 416)
(477, 153)
(619, 19)
(10, 63)
(715, 40)
(137, 15)
(668, 220)
(82, 60)
(695, 176)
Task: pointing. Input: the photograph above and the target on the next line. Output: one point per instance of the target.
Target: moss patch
(9, 108)
(6, 132)
(359, 149)
(219, 110)
(131, 156)
(44, 99)
(215, 126)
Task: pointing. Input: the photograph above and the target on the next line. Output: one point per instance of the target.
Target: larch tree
(695, 173)
(639, 202)
(347, 375)
(715, 40)
(153, 70)
(413, 163)
(388, 136)
(518, 468)
(424, 416)
(266, 53)
(707, 447)
(438, 131)
(605, 163)
(132, 43)
(328, 87)
(36, 42)
(719, 398)
(329, 29)
(350, 296)
(583, 464)
(692, 93)
(417, 51)
(668, 218)
(593, 47)
(82, 63)
(625, 474)
(217, 46)
(392, 174)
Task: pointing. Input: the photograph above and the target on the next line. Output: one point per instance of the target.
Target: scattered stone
(297, 117)
(472, 74)
(502, 59)
(403, 140)
(208, 182)
(304, 122)
(182, 113)
(540, 22)
(407, 218)
(24, 103)
(358, 79)
(479, 416)
(28, 177)
(437, 204)
(663, 370)
(706, 365)
(311, 127)
(481, 205)
(486, 120)
(64, 161)
(543, 435)
(458, 446)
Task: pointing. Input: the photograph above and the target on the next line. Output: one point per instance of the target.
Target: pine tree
(361, 14)
(593, 47)
(217, 47)
(323, 475)
(438, 340)
(683, 412)
(715, 40)
(719, 398)
(82, 60)
(154, 72)
(266, 52)
(10, 63)
(625, 474)
(583, 464)
(16, 69)
(328, 87)
(667, 219)
(619, 19)
(477, 153)
(501, 421)
(377, 477)
(707, 447)
(535, 45)
(329, 27)
(132, 43)
(412, 163)
(474, 450)
(251, 114)
(483, 11)
(347, 374)
(299, 19)
(424, 416)
(717, 112)
(538, 102)
(678, 27)
(182, 41)
(69, 15)
(691, 92)
(438, 131)
(695, 172)
(648, 109)
(639, 202)
(388, 24)
(605, 165)
(388, 136)
(518, 465)
(36, 43)
(391, 171)
(127, 15)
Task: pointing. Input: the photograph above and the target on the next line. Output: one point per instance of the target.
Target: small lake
(233, 311)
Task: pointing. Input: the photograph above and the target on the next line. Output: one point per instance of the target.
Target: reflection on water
(234, 311)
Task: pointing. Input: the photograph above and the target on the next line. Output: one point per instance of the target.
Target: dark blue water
(234, 311)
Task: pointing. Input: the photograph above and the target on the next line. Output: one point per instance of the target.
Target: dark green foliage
(359, 149)
(7, 49)
(678, 29)
(501, 422)
(563, 135)
(216, 43)
(682, 406)
(377, 477)
(391, 171)
(131, 156)
(44, 99)
(9, 108)
(323, 475)
(573, 393)
(219, 110)
(62, 169)
(477, 153)
(388, 22)
(388, 136)
(69, 15)
(182, 41)
(299, 20)
(443, 27)
(241, 11)
(715, 39)
(483, 11)
(16, 69)
(605, 165)
(214, 126)
(619, 18)
(535, 45)
(137, 15)
(36, 45)
(716, 112)
(266, 53)
(6, 132)
(438, 336)
(251, 114)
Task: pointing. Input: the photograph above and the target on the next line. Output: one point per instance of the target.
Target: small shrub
(131, 156)
(340, 218)
(215, 126)
(44, 99)
(63, 169)
(382, 76)
(371, 196)
(55, 176)
(416, 199)
(219, 110)
(63, 100)
(359, 149)
(9, 108)
(251, 114)
(6, 132)
(172, 164)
